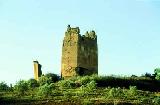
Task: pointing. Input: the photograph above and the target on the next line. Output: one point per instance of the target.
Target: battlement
(91, 35)
(73, 37)
(79, 53)
(73, 30)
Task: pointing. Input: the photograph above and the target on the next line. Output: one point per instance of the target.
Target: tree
(4, 86)
(44, 79)
(48, 78)
(54, 77)
(32, 83)
(148, 75)
(21, 87)
(46, 90)
(157, 73)
(134, 76)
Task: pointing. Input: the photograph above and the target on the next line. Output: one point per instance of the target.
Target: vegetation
(3, 86)
(157, 73)
(86, 90)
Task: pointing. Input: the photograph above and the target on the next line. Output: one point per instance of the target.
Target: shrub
(88, 88)
(4, 86)
(46, 90)
(21, 87)
(115, 93)
(87, 102)
(45, 79)
(48, 78)
(95, 77)
(91, 86)
(82, 90)
(53, 77)
(84, 80)
(132, 91)
(156, 101)
(146, 101)
(66, 84)
(32, 83)
(67, 94)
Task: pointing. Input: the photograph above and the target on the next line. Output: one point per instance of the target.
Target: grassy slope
(81, 90)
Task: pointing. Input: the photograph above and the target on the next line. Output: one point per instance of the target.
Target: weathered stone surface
(79, 53)
(37, 70)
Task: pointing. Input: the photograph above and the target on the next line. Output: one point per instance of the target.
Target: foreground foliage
(83, 90)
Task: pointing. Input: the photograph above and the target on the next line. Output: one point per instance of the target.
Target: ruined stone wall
(88, 55)
(69, 52)
(79, 53)
(37, 70)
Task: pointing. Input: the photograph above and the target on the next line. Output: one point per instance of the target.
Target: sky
(128, 34)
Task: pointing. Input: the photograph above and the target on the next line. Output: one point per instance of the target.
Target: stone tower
(37, 70)
(79, 53)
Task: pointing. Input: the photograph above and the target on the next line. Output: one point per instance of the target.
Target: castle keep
(79, 53)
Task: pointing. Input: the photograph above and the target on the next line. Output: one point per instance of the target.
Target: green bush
(115, 93)
(157, 73)
(146, 101)
(48, 78)
(156, 101)
(54, 77)
(67, 94)
(46, 90)
(132, 92)
(91, 86)
(66, 84)
(32, 83)
(95, 77)
(82, 91)
(4, 86)
(87, 102)
(88, 88)
(21, 87)
(45, 79)
(84, 80)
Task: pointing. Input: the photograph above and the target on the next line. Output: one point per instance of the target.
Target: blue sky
(128, 34)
